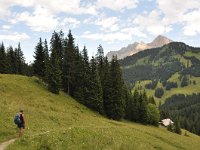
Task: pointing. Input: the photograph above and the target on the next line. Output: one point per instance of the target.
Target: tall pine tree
(95, 97)
(46, 61)
(39, 62)
(69, 64)
(116, 101)
(20, 60)
(2, 59)
(54, 71)
(100, 62)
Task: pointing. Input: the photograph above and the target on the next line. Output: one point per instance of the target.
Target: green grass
(59, 122)
(190, 89)
(185, 62)
(190, 54)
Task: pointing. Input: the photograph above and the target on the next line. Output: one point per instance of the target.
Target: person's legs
(21, 130)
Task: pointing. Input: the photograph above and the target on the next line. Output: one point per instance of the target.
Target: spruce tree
(177, 128)
(95, 95)
(39, 62)
(81, 93)
(100, 62)
(68, 70)
(20, 60)
(12, 61)
(54, 72)
(79, 76)
(116, 100)
(57, 42)
(135, 105)
(107, 89)
(2, 59)
(143, 108)
(46, 61)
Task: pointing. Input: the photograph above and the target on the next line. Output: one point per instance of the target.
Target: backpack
(17, 119)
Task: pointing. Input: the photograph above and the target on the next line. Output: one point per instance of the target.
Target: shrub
(159, 92)
(153, 114)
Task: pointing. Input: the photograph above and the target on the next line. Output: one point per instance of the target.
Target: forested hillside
(186, 109)
(162, 63)
(165, 73)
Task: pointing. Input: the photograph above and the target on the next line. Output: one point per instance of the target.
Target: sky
(112, 23)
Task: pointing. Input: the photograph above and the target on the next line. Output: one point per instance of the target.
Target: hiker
(20, 122)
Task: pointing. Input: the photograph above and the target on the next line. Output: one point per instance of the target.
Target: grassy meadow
(59, 122)
(190, 89)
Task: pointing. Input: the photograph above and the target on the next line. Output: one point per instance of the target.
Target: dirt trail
(5, 144)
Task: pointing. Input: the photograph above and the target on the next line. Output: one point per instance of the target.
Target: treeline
(95, 83)
(161, 64)
(184, 108)
(12, 61)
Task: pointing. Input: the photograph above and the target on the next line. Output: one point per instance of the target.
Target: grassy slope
(190, 89)
(59, 122)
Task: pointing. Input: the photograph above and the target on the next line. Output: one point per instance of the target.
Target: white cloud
(152, 23)
(122, 35)
(15, 37)
(133, 31)
(108, 23)
(108, 37)
(174, 10)
(117, 4)
(192, 23)
(6, 27)
(67, 23)
(40, 20)
(185, 13)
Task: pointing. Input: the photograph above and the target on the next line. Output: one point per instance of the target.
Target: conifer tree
(177, 128)
(2, 59)
(135, 105)
(143, 108)
(46, 61)
(107, 89)
(95, 95)
(57, 43)
(78, 76)
(116, 100)
(20, 59)
(12, 61)
(85, 76)
(100, 62)
(54, 72)
(39, 62)
(69, 65)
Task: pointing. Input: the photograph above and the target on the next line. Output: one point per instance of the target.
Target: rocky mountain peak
(136, 47)
(159, 41)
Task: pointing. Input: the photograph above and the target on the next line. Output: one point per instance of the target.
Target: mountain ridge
(136, 47)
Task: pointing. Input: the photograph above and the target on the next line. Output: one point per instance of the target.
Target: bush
(152, 84)
(153, 114)
(170, 85)
(184, 81)
(159, 92)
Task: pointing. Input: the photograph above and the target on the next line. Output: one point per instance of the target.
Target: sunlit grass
(59, 122)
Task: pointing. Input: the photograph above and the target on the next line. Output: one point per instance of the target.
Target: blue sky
(112, 23)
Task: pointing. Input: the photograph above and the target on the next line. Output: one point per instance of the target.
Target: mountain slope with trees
(165, 73)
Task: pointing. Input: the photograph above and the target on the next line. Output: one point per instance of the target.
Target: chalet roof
(167, 122)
